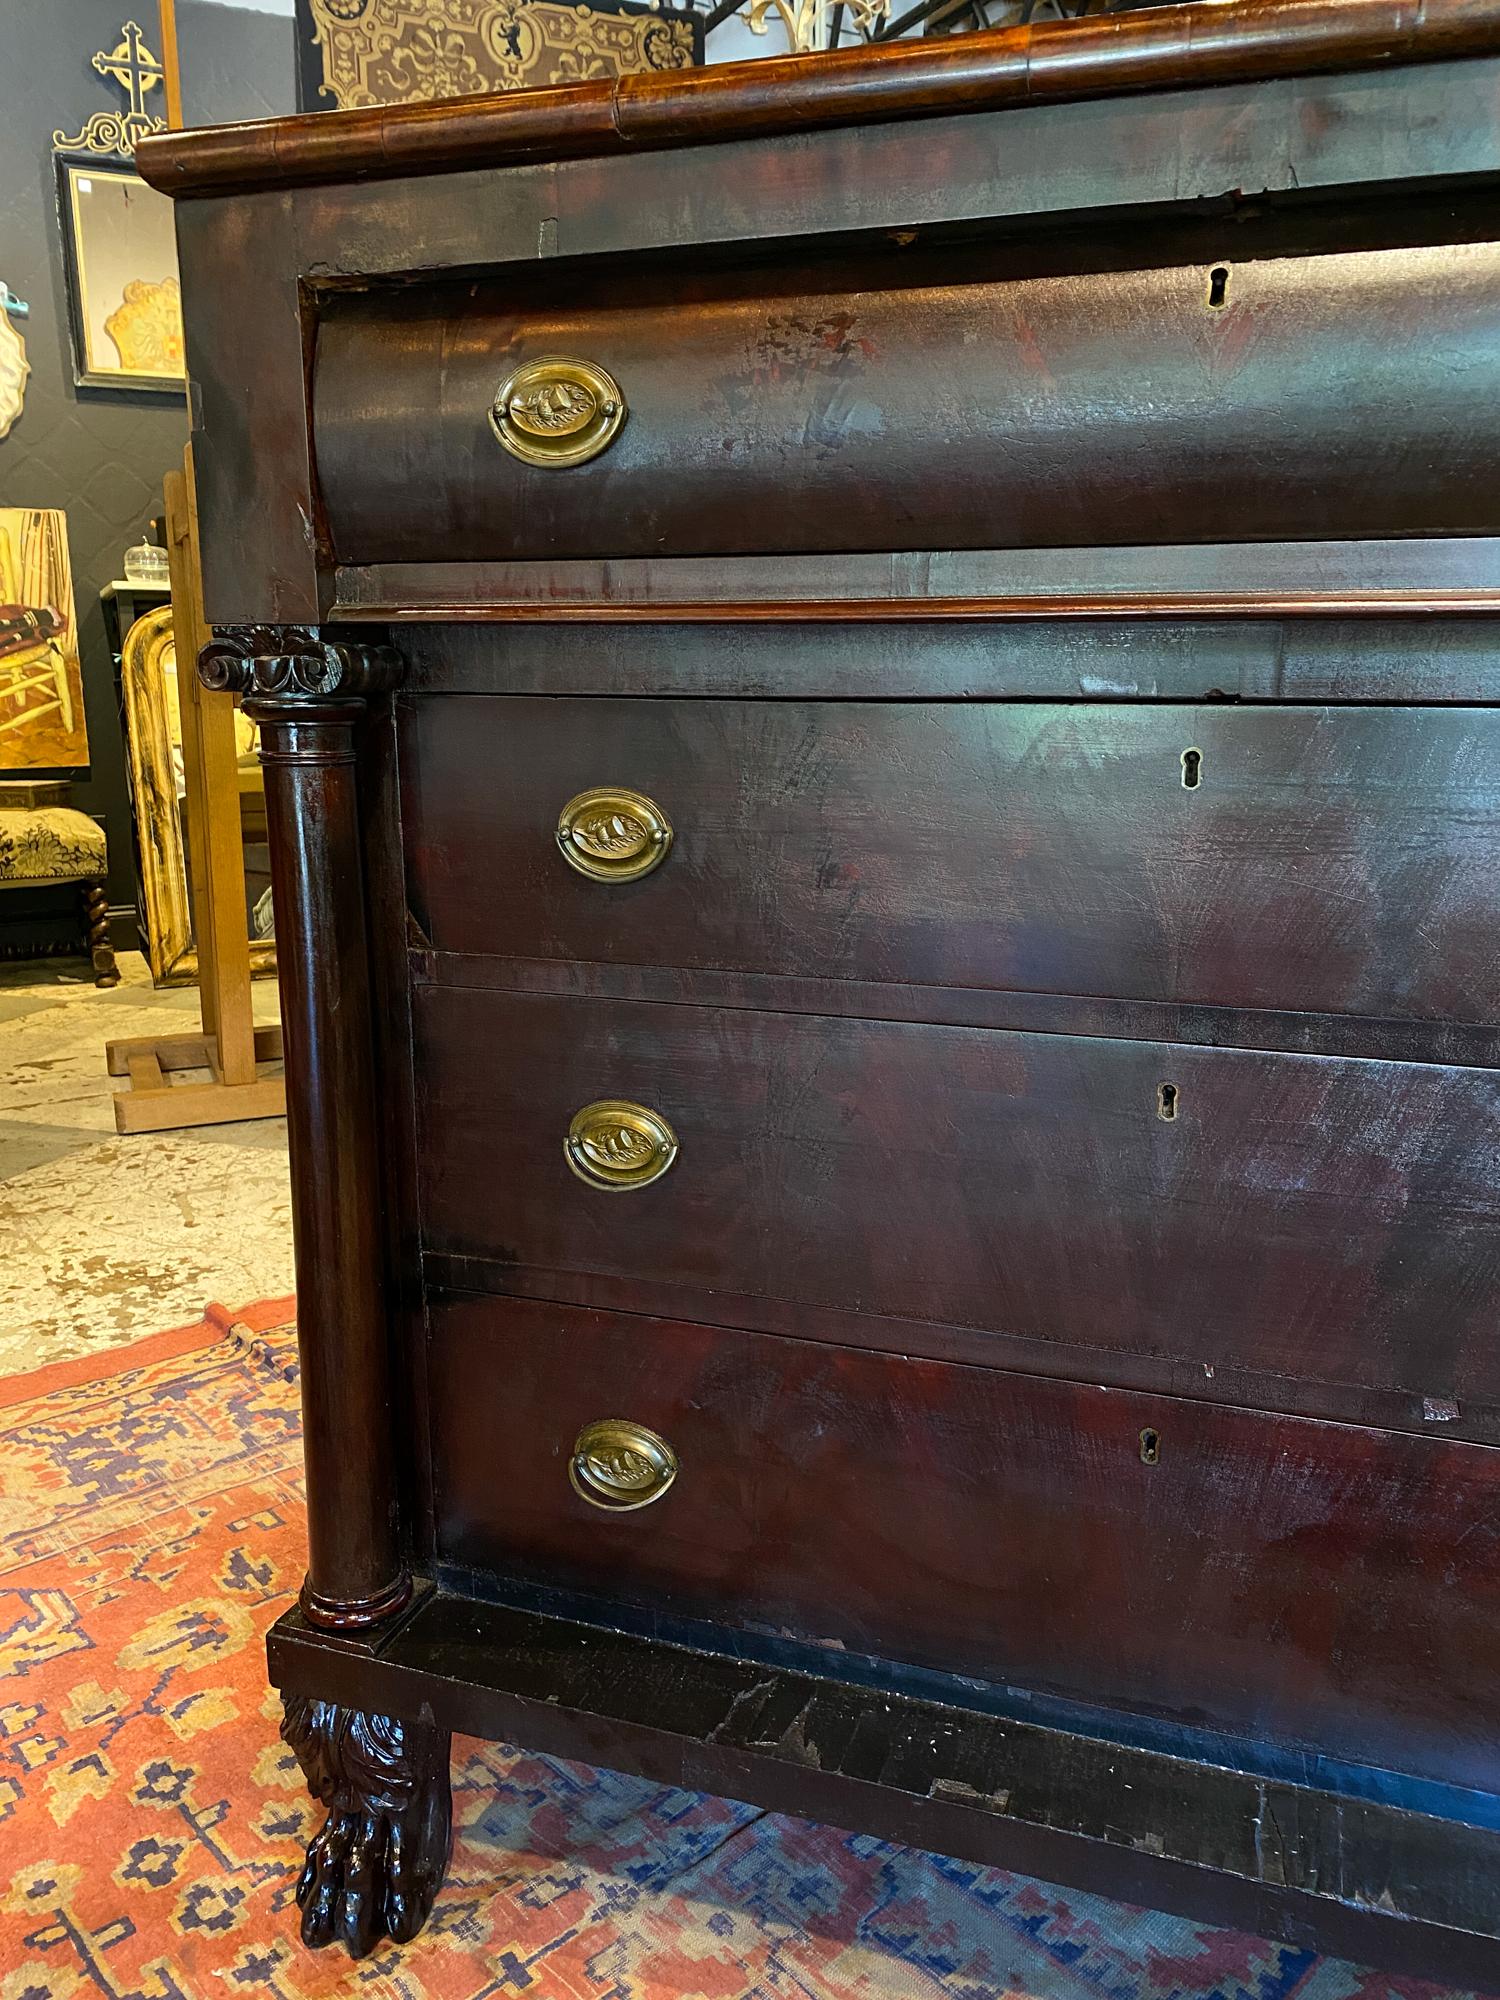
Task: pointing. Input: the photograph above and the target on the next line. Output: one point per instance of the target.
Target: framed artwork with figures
(120, 255)
(41, 688)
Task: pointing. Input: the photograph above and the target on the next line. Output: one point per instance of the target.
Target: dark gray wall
(236, 62)
(99, 456)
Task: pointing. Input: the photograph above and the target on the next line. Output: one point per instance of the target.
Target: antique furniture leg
(376, 1864)
(96, 923)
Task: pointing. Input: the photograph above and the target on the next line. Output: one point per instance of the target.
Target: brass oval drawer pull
(615, 1144)
(557, 411)
(613, 835)
(620, 1466)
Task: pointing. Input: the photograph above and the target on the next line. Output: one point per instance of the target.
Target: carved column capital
(296, 665)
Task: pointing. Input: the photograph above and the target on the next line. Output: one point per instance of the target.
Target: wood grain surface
(1325, 1587)
(1313, 1217)
(1334, 860)
(1051, 59)
(1105, 658)
(916, 402)
(1049, 577)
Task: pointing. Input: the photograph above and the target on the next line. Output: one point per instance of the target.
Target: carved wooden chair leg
(96, 921)
(378, 1860)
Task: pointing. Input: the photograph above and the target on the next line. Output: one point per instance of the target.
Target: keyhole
(1166, 1101)
(1192, 767)
(1218, 286)
(1150, 1447)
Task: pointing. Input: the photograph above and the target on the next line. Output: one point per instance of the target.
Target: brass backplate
(613, 835)
(557, 411)
(617, 1145)
(620, 1466)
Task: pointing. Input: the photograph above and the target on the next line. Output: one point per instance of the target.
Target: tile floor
(105, 1238)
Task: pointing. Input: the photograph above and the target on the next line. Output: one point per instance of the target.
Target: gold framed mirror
(153, 734)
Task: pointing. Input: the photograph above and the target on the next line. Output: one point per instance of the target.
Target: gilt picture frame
(120, 263)
(153, 736)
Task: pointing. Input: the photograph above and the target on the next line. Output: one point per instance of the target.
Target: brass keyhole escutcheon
(618, 1145)
(620, 1466)
(613, 835)
(557, 411)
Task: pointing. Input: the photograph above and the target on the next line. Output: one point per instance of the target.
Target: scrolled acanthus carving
(296, 663)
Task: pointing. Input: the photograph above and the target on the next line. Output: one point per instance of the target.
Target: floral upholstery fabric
(51, 844)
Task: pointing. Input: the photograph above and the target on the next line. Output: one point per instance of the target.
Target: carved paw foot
(378, 1860)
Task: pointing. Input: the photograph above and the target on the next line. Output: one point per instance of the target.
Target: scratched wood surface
(942, 1770)
(1304, 141)
(1339, 860)
(1045, 60)
(1312, 1216)
(1104, 659)
(920, 403)
(1267, 1576)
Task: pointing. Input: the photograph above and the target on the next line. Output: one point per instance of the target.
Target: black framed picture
(120, 257)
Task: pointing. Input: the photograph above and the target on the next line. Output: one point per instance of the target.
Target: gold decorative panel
(146, 327)
(364, 52)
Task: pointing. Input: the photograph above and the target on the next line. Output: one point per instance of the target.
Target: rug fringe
(217, 1321)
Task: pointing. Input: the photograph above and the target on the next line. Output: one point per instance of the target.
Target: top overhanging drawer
(853, 409)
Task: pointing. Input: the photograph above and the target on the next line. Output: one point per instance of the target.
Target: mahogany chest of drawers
(878, 680)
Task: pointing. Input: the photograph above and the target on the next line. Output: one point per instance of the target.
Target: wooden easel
(229, 1046)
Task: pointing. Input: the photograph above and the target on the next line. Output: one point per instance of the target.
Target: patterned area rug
(151, 1821)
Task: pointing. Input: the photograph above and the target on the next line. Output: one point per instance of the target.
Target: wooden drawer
(1318, 1217)
(945, 400)
(1317, 1584)
(1344, 860)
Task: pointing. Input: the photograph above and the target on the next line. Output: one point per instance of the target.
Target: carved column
(308, 695)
